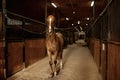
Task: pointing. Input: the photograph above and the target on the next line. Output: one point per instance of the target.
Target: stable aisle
(78, 64)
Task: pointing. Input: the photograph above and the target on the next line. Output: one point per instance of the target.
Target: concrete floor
(78, 64)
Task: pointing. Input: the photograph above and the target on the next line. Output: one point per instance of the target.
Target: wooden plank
(91, 46)
(2, 62)
(96, 51)
(113, 62)
(117, 63)
(103, 60)
(15, 58)
(34, 50)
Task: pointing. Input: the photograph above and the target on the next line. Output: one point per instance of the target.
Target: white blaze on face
(50, 25)
(61, 64)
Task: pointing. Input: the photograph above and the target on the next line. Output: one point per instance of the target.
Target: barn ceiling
(79, 10)
(73, 9)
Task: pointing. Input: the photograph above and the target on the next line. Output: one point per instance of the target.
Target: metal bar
(105, 9)
(25, 17)
(31, 31)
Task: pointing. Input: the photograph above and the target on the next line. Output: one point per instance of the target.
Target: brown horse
(54, 45)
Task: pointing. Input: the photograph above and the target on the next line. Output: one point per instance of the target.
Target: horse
(54, 46)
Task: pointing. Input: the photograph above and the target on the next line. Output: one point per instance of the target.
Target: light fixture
(78, 22)
(88, 18)
(53, 4)
(73, 12)
(92, 3)
(72, 24)
(86, 24)
(67, 19)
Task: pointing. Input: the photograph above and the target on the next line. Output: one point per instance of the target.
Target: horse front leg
(55, 63)
(50, 63)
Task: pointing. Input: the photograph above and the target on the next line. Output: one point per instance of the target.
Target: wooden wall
(107, 57)
(96, 51)
(34, 50)
(107, 30)
(22, 54)
(2, 51)
(14, 57)
(103, 60)
(113, 72)
(2, 61)
(23, 46)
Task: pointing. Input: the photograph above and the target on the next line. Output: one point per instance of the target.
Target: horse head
(50, 22)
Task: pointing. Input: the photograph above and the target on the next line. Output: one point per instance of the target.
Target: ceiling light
(67, 19)
(73, 12)
(72, 24)
(88, 18)
(53, 4)
(92, 3)
(78, 22)
(86, 24)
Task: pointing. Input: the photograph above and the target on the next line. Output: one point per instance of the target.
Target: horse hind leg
(61, 63)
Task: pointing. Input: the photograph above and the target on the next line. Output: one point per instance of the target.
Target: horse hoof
(51, 75)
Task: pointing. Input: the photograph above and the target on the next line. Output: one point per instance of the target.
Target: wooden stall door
(2, 62)
(34, 50)
(15, 57)
(96, 52)
(113, 62)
